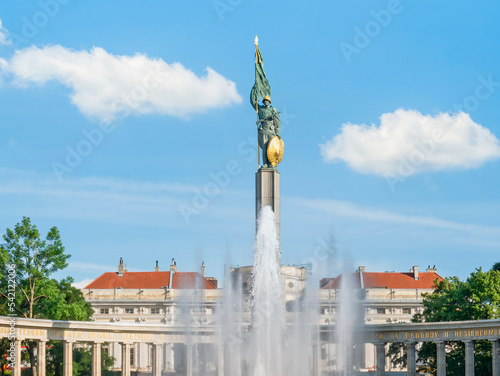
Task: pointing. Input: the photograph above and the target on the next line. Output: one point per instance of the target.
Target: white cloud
(407, 142)
(3, 35)
(107, 86)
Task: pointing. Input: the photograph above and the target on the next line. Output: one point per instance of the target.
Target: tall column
(220, 359)
(126, 359)
(41, 356)
(410, 359)
(267, 192)
(189, 360)
(17, 360)
(469, 358)
(380, 349)
(96, 359)
(316, 360)
(117, 354)
(441, 359)
(67, 358)
(495, 367)
(156, 366)
(168, 357)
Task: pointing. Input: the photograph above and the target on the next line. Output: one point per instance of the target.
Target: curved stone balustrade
(71, 332)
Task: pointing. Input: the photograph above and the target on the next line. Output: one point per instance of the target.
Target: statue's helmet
(266, 97)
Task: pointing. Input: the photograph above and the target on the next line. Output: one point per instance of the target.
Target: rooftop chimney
(173, 269)
(157, 269)
(203, 268)
(415, 272)
(360, 270)
(121, 269)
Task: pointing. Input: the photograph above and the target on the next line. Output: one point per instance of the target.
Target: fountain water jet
(268, 305)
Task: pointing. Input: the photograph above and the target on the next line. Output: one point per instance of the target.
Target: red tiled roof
(190, 280)
(150, 280)
(389, 280)
(131, 280)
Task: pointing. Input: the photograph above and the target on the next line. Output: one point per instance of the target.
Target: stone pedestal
(267, 192)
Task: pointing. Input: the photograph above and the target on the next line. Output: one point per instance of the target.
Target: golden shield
(275, 150)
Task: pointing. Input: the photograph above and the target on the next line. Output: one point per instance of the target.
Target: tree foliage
(34, 260)
(38, 295)
(476, 298)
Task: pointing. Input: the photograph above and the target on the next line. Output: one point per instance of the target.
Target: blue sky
(118, 117)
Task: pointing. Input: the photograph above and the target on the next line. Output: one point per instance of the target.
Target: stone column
(380, 349)
(469, 358)
(41, 356)
(126, 359)
(220, 359)
(495, 358)
(316, 360)
(156, 366)
(67, 358)
(96, 359)
(189, 360)
(17, 361)
(267, 192)
(441, 359)
(410, 359)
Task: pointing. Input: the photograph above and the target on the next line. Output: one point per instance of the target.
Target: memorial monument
(267, 179)
(263, 323)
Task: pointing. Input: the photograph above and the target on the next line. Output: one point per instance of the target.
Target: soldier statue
(268, 126)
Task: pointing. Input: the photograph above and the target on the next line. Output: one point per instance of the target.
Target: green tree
(476, 298)
(34, 260)
(37, 295)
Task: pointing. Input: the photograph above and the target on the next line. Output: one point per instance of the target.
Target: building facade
(170, 298)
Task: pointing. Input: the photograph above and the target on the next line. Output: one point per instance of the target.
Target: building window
(131, 356)
(104, 311)
(129, 311)
(407, 311)
(155, 311)
(380, 311)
